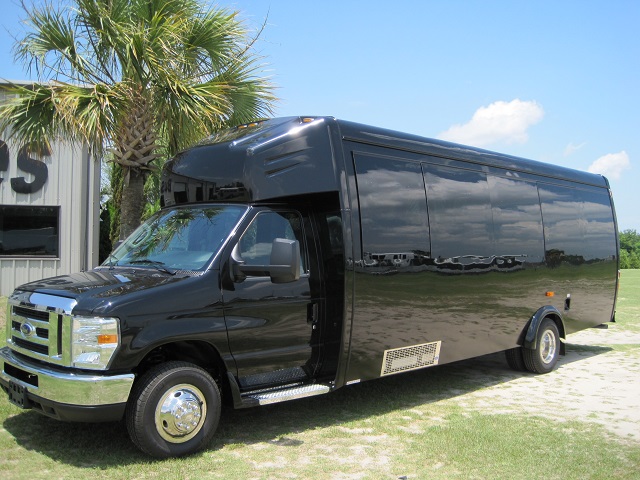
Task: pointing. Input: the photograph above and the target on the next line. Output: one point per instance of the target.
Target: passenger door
(274, 327)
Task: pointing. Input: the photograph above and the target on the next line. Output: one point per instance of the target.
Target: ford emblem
(27, 329)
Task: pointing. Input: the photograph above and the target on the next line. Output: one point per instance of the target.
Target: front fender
(147, 336)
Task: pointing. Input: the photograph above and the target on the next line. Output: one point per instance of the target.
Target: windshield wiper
(111, 262)
(153, 263)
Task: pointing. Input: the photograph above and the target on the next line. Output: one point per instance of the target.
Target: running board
(267, 397)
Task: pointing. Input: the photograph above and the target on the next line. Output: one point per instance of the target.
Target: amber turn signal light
(105, 339)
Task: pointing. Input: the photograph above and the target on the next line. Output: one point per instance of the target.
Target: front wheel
(174, 410)
(544, 357)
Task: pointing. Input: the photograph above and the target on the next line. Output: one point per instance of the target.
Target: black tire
(173, 410)
(544, 357)
(515, 359)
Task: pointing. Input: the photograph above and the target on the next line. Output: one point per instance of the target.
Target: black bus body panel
(461, 255)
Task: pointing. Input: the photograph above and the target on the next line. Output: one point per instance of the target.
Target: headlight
(94, 340)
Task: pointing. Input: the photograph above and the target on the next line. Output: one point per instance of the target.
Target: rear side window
(578, 224)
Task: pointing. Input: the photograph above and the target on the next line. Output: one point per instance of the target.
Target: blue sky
(556, 81)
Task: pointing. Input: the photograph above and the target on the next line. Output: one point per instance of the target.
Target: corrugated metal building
(49, 212)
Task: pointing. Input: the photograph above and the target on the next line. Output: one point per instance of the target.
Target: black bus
(294, 256)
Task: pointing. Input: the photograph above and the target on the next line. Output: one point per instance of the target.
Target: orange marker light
(549, 294)
(105, 339)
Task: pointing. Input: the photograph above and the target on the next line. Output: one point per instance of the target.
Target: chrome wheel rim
(548, 347)
(180, 413)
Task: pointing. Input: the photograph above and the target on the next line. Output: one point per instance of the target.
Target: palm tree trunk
(136, 146)
(132, 203)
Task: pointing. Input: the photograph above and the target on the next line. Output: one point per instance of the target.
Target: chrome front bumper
(70, 388)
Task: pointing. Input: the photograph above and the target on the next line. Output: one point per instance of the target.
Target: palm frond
(52, 47)
(43, 113)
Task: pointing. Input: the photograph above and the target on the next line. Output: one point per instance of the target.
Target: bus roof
(288, 156)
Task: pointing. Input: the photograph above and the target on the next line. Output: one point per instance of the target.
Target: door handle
(312, 313)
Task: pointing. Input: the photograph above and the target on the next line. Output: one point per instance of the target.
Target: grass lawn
(414, 425)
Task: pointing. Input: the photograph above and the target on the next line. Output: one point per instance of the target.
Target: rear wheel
(174, 410)
(515, 359)
(544, 357)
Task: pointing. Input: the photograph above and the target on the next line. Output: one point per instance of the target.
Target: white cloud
(611, 165)
(499, 122)
(572, 148)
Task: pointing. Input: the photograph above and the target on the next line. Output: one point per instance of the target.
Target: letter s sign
(27, 164)
(4, 158)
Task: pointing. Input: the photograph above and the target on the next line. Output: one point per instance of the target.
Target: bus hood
(103, 286)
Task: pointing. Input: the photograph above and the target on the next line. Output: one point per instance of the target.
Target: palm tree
(132, 78)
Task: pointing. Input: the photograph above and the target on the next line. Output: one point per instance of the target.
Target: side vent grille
(404, 359)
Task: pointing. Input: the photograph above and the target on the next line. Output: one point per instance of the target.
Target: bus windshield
(184, 238)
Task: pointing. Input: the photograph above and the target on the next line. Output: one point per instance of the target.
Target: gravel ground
(592, 383)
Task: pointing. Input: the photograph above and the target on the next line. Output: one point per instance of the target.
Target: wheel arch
(548, 311)
(198, 352)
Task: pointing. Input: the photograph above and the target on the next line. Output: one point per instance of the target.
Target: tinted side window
(600, 227)
(393, 211)
(459, 214)
(578, 224)
(517, 220)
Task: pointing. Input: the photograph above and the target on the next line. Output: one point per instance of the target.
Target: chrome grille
(34, 347)
(33, 314)
(40, 330)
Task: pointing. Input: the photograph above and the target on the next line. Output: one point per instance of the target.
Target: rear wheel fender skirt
(547, 311)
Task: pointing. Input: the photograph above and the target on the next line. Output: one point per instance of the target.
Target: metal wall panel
(73, 184)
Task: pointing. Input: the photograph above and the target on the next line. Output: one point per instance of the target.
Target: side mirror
(284, 263)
